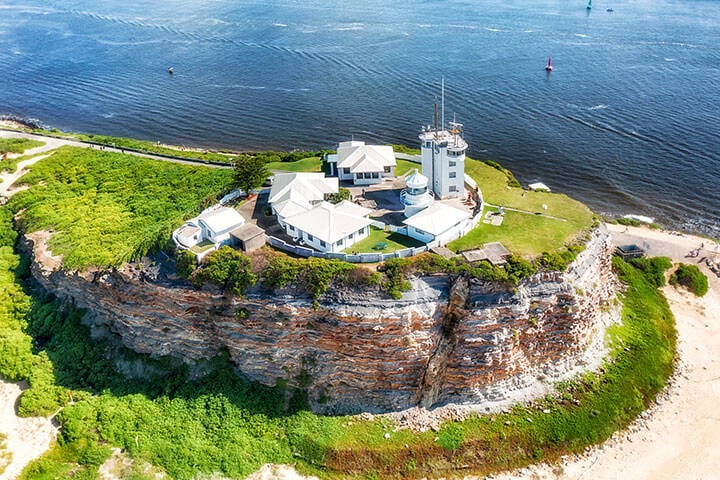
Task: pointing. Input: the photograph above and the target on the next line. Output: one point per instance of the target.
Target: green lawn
(525, 234)
(521, 233)
(202, 246)
(395, 241)
(404, 166)
(310, 164)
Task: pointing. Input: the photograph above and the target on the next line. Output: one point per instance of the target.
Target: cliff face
(444, 341)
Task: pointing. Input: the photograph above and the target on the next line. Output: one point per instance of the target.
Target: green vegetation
(153, 147)
(250, 172)
(405, 166)
(18, 145)
(107, 208)
(582, 412)
(405, 149)
(310, 164)
(690, 277)
(311, 275)
(5, 455)
(531, 230)
(654, 268)
(343, 194)
(394, 241)
(227, 268)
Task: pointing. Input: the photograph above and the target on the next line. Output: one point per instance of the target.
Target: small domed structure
(416, 196)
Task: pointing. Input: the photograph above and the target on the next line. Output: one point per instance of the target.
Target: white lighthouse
(443, 156)
(416, 196)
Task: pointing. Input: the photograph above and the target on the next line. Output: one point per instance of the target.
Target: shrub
(511, 180)
(185, 263)
(343, 194)
(690, 277)
(227, 268)
(654, 268)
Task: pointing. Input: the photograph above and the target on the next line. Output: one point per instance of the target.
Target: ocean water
(628, 121)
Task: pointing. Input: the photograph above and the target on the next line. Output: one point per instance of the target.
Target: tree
(250, 172)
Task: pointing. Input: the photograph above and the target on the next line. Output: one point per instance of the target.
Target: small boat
(589, 5)
(549, 65)
(609, 10)
(170, 70)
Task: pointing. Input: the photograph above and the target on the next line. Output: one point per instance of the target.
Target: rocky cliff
(446, 340)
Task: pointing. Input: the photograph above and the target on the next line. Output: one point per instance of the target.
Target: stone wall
(444, 341)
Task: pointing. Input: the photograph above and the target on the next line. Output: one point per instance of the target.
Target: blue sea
(628, 121)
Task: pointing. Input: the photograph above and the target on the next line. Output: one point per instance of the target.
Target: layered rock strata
(446, 340)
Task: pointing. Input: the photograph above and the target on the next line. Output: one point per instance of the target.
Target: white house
(213, 226)
(330, 228)
(437, 222)
(362, 164)
(217, 224)
(294, 193)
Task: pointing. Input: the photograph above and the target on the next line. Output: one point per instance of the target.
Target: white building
(437, 222)
(298, 200)
(443, 159)
(416, 195)
(330, 228)
(212, 228)
(294, 193)
(362, 164)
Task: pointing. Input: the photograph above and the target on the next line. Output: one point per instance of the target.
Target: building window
(346, 171)
(386, 169)
(375, 175)
(361, 231)
(291, 228)
(452, 163)
(340, 242)
(421, 232)
(310, 238)
(453, 188)
(428, 144)
(350, 237)
(322, 244)
(453, 174)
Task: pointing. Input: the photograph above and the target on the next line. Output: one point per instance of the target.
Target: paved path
(58, 142)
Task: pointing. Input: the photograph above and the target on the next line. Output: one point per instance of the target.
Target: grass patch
(582, 413)
(203, 246)
(107, 208)
(521, 233)
(395, 241)
(548, 234)
(404, 166)
(310, 164)
(18, 145)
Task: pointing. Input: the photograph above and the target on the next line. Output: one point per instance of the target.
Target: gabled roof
(360, 158)
(221, 219)
(309, 186)
(351, 208)
(328, 222)
(437, 218)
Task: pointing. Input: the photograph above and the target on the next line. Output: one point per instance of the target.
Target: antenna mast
(442, 83)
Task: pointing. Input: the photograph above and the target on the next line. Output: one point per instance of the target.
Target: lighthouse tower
(443, 155)
(416, 196)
